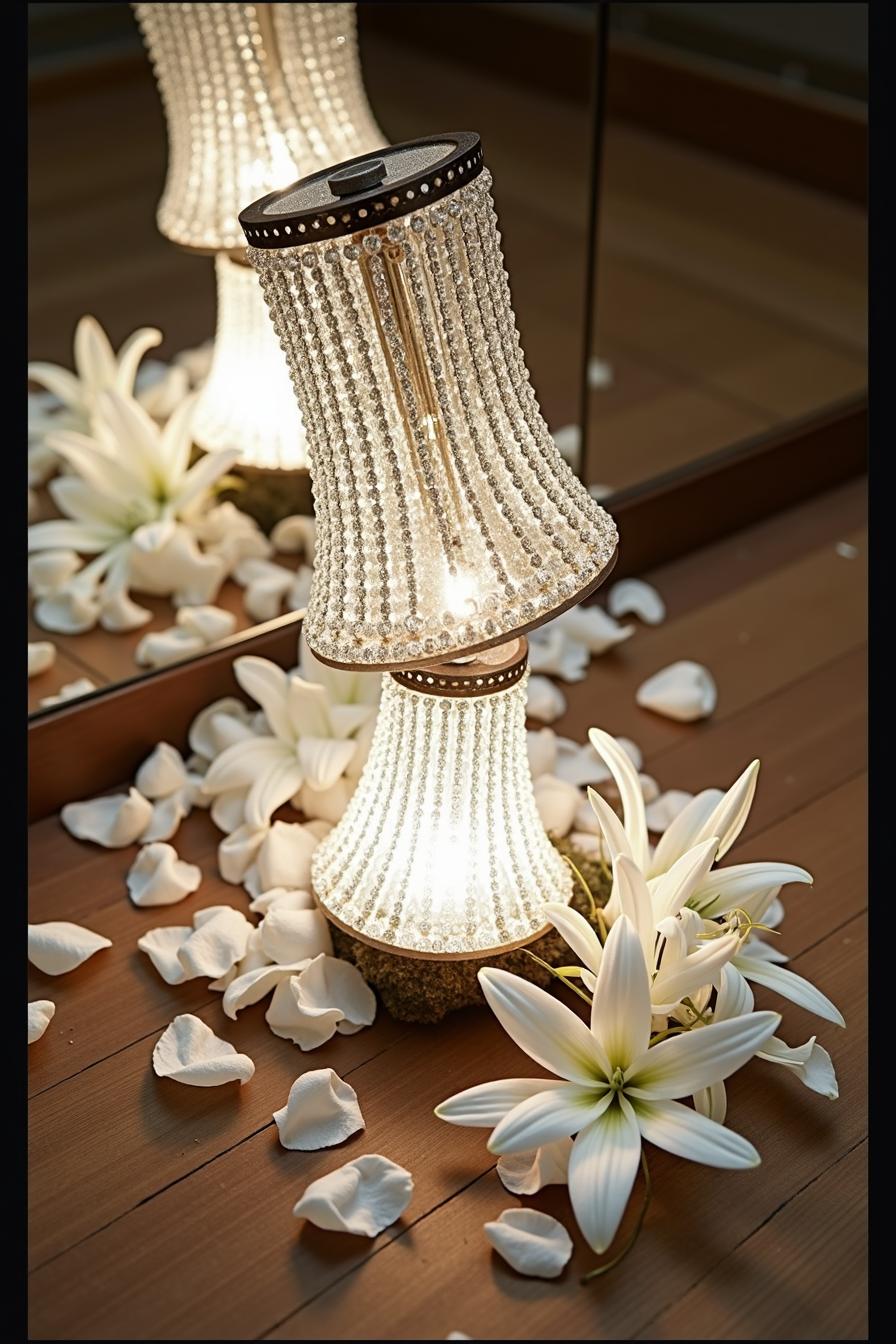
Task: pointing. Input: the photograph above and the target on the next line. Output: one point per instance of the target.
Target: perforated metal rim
(338, 217)
(460, 681)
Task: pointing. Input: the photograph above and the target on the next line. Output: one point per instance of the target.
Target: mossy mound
(268, 496)
(416, 990)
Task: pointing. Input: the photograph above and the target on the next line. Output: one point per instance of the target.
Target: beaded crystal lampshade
(441, 852)
(254, 95)
(447, 520)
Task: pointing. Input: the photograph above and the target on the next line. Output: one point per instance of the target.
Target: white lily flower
(310, 743)
(616, 1090)
(129, 503)
(70, 399)
(810, 1062)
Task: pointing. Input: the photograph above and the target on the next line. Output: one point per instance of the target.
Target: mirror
(522, 75)
(729, 299)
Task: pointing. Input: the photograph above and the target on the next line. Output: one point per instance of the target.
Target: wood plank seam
(147, 1199)
(768, 825)
(714, 1269)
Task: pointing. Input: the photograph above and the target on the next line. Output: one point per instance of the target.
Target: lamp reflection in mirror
(254, 96)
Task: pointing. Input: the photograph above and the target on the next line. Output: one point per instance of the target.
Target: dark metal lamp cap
(362, 192)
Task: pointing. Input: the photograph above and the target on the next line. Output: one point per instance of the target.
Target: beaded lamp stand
(253, 95)
(447, 525)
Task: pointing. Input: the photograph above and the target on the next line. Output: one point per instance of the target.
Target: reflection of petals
(120, 613)
(40, 1014)
(114, 822)
(208, 623)
(362, 1197)
(73, 690)
(41, 656)
(57, 946)
(531, 1242)
(158, 877)
(321, 1110)
(189, 1052)
(160, 648)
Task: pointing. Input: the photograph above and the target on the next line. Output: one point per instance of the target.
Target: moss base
(268, 496)
(417, 990)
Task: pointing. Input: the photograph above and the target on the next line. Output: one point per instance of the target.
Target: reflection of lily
(127, 501)
(71, 398)
(616, 1090)
(310, 745)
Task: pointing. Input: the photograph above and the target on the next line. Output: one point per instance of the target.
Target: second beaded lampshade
(447, 520)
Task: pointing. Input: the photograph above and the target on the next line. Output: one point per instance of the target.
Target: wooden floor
(164, 1212)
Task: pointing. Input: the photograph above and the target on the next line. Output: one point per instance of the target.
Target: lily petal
(577, 932)
(484, 1106)
(548, 1031)
(268, 684)
(563, 1109)
(629, 786)
(790, 986)
(602, 1170)
(689, 1134)
(681, 1065)
(686, 830)
(620, 1009)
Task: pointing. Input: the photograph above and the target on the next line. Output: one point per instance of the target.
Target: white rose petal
(282, 898)
(57, 946)
(295, 535)
(40, 1014)
(544, 700)
(254, 984)
(684, 691)
(237, 852)
(553, 651)
(284, 859)
(188, 1051)
(162, 947)
(162, 647)
(650, 790)
(326, 996)
(579, 765)
(48, 571)
(321, 1110)
(72, 690)
(593, 628)
(205, 734)
(542, 751)
(634, 597)
(326, 804)
(41, 656)
(114, 822)
(162, 772)
(158, 877)
(218, 941)
(661, 813)
(527, 1173)
(294, 935)
(557, 803)
(121, 613)
(362, 1197)
(532, 1243)
(208, 623)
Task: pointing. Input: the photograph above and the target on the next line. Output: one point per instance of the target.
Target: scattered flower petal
(527, 1173)
(188, 1051)
(551, 650)
(684, 691)
(544, 700)
(57, 946)
(295, 935)
(295, 535)
(120, 613)
(162, 947)
(41, 656)
(282, 898)
(662, 811)
(158, 877)
(40, 1014)
(73, 690)
(362, 1197)
(593, 628)
(542, 751)
(207, 623)
(557, 803)
(160, 648)
(321, 1110)
(113, 822)
(238, 851)
(162, 772)
(218, 941)
(284, 859)
(634, 597)
(219, 725)
(326, 996)
(531, 1242)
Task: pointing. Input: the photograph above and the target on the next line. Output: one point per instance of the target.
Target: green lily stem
(595, 912)
(611, 1264)
(562, 978)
